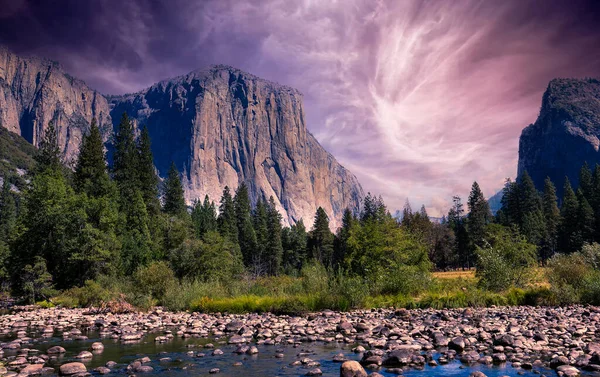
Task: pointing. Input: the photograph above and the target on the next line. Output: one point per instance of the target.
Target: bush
(156, 279)
(506, 260)
(91, 294)
(212, 258)
(315, 278)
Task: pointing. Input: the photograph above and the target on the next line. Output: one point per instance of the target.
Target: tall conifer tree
(174, 201)
(243, 215)
(274, 248)
(479, 216)
(569, 234)
(148, 179)
(227, 222)
(552, 220)
(91, 176)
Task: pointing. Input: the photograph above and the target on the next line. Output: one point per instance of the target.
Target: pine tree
(531, 223)
(243, 214)
(478, 218)
(148, 180)
(274, 248)
(569, 236)
(261, 228)
(511, 207)
(48, 156)
(137, 245)
(369, 210)
(126, 159)
(585, 217)
(457, 224)
(8, 212)
(321, 239)
(341, 240)
(204, 217)
(294, 241)
(174, 201)
(595, 201)
(407, 214)
(227, 221)
(552, 220)
(91, 176)
(586, 181)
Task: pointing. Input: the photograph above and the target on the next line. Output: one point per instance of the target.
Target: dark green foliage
(148, 180)
(204, 217)
(8, 212)
(227, 220)
(245, 228)
(261, 228)
(135, 234)
(479, 216)
(91, 176)
(126, 157)
(36, 281)
(552, 221)
(212, 258)
(531, 223)
(569, 237)
(274, 248)
(48, 156)
(174, 200)
(505, 259)
(441, 241)
(457, 223)
(294, 241)
(341, 239)
(585, 217)
(586, 181)
(320, 241)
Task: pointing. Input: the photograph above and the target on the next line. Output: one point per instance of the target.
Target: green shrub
(315, 278)
(506, 260)
(155, 278)
(91, 294)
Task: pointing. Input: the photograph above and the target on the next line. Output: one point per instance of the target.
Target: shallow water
(262, 364)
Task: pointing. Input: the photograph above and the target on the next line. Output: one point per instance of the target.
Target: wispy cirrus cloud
(417, 98)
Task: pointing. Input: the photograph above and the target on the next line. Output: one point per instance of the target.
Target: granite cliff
(565, 135)
(221, 126)
(35, 92)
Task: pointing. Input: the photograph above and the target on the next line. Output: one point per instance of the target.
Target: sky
(417, 98)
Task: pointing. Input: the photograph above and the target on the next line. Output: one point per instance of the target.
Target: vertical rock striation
(35, 92)
(223, 126)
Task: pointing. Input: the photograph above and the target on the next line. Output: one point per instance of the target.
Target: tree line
(70, 226)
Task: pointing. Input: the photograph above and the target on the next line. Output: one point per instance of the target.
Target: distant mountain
(565, 134)
(221, 127)
(495, 202)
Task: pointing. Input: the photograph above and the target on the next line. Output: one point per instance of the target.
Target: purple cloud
(417, 98)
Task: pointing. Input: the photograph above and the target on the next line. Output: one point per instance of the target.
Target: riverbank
(385, 340)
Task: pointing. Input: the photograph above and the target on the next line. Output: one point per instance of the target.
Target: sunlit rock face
(222, 126)
(35, 92)
(565, 135)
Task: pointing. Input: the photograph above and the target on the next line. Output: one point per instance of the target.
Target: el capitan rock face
(35, 92)
(221, 126)
(565, 135)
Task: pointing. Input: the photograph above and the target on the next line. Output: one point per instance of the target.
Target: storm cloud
(417, 98)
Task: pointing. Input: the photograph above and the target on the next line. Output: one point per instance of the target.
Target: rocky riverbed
(493, 341)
